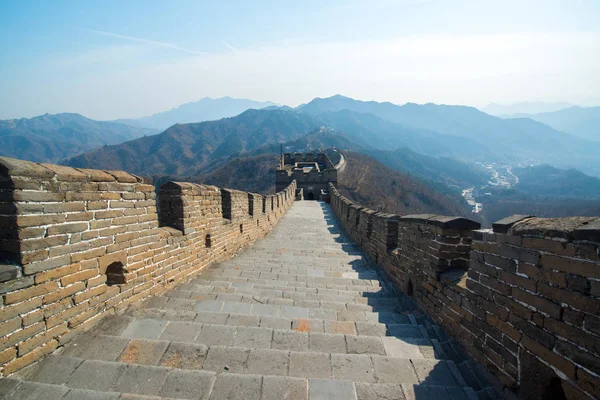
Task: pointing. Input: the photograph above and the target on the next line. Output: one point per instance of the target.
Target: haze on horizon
(108, 60)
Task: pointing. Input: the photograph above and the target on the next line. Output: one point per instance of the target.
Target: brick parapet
(522, 299)
(63, 229)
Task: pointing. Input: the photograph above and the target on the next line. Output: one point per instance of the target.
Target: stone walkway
(299, 315)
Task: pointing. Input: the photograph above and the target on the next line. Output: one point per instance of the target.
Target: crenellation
(522, 297)
(82, 244)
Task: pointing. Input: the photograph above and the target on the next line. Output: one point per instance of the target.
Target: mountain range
(52, 138)
(583, 122)
(526, 107)
(205, 109)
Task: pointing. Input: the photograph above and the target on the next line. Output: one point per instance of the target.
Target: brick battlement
(80, 244)
(523, 299)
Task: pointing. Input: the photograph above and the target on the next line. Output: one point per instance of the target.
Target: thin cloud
(153, 42)
(234, 49)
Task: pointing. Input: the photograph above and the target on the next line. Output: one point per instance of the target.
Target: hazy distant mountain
(534, 107)
(205, 109)
(185, 149)
(513, 140)
(578, 121)
(544, 180)
(54, 137)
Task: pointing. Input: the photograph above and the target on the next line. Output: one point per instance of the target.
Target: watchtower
(312, 174)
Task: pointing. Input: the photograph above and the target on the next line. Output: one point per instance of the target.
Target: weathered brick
(62, 293)
(10, 325)
(570, 265)
(68, 228)
(26, 294)
(29, 358)
(555, 360)
(83, 296)
(38, 196)
(79, 276)
(56, 273)
(30, 344)
(35, 244)
(95, 253)
(45, 265)
(578, 301)
(24, 221)
(537, 302)
(20, 335)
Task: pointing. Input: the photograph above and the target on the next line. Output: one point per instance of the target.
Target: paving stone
(101, 347)
(53, 369)
(253, 337)
(370, 329)
(80, 394)
(328, 389)
(208, 305)
(310, 365)
(402, 348)
(293, 312)
(141, 351)
(222, 335)
(353, 367)
(181, 331)
(184, 355)
(342, 327)
(96, 375)
(308, 325)
(179, 315)
(284, 388)
(243, 320)
(236, 387)
(322, 313)
(290, 340)
(144, 329)
(394, 370)
(264, 309)
(421, 392)
(216, 318)
(142, 379)
(268, 321)
(226, 359)
(378, 391)
(268, 362)
(434, 372)
(36, 391)
(364, 345)
(112, 325)
(181, 384)
(327, 342)
(405, 331)
(237, 308)
(7, 385)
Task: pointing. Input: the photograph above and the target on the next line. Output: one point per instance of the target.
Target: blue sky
(116, 59)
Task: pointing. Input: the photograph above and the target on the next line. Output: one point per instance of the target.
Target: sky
(125, 59)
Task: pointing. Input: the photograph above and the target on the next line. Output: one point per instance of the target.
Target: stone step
(305, 335)
(254, 269)
(288, 355)
(301, 287)
(295, 280)
(306, 299)
(232, 386)
(410, 330)
(251, 305)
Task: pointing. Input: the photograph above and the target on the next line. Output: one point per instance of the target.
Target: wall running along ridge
(65, 231)
(523, 299)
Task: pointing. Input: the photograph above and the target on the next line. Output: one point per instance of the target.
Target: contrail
(230, 46)
(134, 39)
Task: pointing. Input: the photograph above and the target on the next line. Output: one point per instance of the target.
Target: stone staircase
(301, 314)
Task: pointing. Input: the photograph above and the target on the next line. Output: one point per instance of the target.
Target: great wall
(108, 292)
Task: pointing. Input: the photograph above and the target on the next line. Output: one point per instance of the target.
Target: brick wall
(81, 244)
(522, 299)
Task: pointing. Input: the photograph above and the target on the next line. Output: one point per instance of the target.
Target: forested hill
(371, 184)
